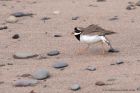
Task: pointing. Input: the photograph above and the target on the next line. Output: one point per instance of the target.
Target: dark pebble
(21, 14)
(57, 35)
(3, 27)
(53, 53)
(113, 50)
(100, 83)
(59, 65)
(16, 36)
(75, 18)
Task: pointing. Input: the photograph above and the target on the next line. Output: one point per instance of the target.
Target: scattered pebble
(100, 83)
(21, 14)
(53, 53)
(75, 18)
(25, 83)
(114, 18)
(1, 65)
(57, 35)
(16, 36)
(138, 3)
(32, 91)
(41, 74)
(130, 7)
(119, 62)
(45, 18)
(91, 68)
(113, 50)
(75, 87)
(9, 63)
(100, 0)
(1, 82)
(60, 65)
(56, 12)
(11, 19)
(3, 27)
(24, 55)
(25, 75)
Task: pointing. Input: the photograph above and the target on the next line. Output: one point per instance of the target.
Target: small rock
(60, 65)
(138, 3)
(56, 12)
(9, 63)
(21, 14)
(3, 27)
(91, 68)
(25, 75)
(138, 89)
(32, 91)
(75, 18)
(16, 36)
(130, 7)
(113, 50)
(119, 62)
(45, 18)
(1, 65)
(75, 87)
(11, 19)
(114, 18)
(25, 83)
(1, 82)
(100, 0)
(100, 83)
(24, 55)
(53, 53)
(57, 35)
(41, 74)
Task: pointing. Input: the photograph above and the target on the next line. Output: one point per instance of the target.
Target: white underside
(92, 39)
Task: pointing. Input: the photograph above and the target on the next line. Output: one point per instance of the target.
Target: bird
(93, 34)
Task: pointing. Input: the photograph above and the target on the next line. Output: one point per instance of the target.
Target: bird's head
(77, 31)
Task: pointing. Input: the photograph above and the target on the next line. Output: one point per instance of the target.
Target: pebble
(60, 65)
(57, 35)
(113, 50)
(24, 55)
(25, 75)
(100, 83)
(138, 3)
(45, 18)
(100, 0)
(91, 68)
(1, 65)
(11, 19)
(114, 18)
(21, 14)
(56, 12)
(3, 27)
(16, 36)
(75, 18)
(75, 87)
(130, 7)
(119, 62)
(53, 53)
(25, 83)
(41, 74)
(1, 82)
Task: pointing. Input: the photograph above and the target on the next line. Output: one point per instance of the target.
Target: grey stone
(24, 55)
(138, 3)
(41, 74)
(53, 53)
(21, 14)
(131, 7)
(91, 68)
(101, 0)
(60, 65)
(25, 83)
(75, 87)
(100, 83)
(3, 27)
(119, 62)
(114, 18)
(75, 18)
(11, 19)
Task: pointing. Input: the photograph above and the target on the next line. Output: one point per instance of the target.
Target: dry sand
(33, 38)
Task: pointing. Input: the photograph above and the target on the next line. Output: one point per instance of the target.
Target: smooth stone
(24, 55)
(3, 27)
(56, 12)
(11, 19)
(25, 83)
(113, 50)
(138, 3)
(75, 87)
(130, 7)
(41, 74)
(75, 18)
(91, 68)
(114, 18)
(60, 65)
(53, 53)
(119, 62)
(21, 14)
(16, 36)
(100, 83)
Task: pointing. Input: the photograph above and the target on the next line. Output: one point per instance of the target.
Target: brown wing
(95, 30)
